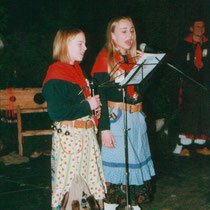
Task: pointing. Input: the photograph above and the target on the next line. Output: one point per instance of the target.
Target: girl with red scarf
(75, 150)
(112, 64)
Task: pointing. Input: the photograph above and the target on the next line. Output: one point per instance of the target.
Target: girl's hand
(139, 53)
(94, 102)
(98, 112)
(107, 139)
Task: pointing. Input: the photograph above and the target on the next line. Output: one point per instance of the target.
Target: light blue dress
(141, 166)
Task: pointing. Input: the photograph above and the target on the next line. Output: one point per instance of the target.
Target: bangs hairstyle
(111, 46)
(60, 44)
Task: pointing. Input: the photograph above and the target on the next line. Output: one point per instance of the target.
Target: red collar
(67, 72)
(101, 64)
(122, 64)
(189, 38)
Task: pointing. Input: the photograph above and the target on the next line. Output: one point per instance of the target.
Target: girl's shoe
(110, 206)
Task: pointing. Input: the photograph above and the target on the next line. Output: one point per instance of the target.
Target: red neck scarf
(122, 64)
(198, 51)
(67, 72)
(101, 65)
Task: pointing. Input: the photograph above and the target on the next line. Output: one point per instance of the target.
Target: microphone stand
(183, 74)
(125, 130)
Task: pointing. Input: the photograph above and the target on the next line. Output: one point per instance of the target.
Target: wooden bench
(24, 100)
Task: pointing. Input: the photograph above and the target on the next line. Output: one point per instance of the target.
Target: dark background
(28, 27)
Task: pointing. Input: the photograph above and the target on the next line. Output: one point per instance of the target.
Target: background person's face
(198, 28)
(77, 48)
(123, 35)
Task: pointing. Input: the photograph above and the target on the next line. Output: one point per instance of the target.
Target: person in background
(112, 64)
(193, 52)
(75, 150)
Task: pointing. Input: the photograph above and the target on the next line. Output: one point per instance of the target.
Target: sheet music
(146, 63)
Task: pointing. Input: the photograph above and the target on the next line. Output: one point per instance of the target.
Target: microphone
(148, 49)
(92, 90)
(92, 85)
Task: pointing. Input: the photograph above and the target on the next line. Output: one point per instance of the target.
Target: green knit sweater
(64, 100)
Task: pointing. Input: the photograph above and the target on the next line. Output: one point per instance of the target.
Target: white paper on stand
(148, 62)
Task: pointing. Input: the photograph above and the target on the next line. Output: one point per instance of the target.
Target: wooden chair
(24, 100)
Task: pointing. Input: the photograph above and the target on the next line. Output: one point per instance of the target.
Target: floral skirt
(137, 194)
(78, 153)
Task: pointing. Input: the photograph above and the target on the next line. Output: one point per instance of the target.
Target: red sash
(101, 65)
(67, 72)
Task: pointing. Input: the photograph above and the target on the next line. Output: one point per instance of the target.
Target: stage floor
(180, 184)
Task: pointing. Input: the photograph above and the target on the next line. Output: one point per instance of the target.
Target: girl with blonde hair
(75, 151)
(112, 64)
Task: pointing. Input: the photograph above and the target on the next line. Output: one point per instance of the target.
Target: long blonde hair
(60, 44)
(110, 45)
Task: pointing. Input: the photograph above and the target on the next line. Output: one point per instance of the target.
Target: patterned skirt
(140, 164)
(78, 153)
(138, 195)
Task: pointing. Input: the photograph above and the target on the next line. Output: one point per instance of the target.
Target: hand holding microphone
(139, 53)
(97, 110)
(94, 102)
